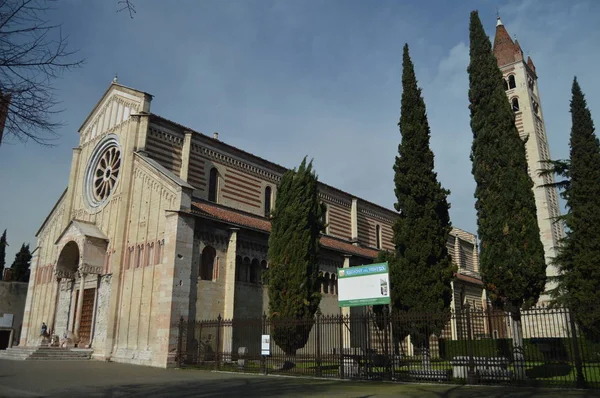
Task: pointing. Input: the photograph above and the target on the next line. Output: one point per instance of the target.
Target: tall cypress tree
(21, 264)
(580, 256)
(512, 255)
(294, 284)
(3, 244)
(422, 269)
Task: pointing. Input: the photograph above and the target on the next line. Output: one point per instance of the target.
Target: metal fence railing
(469, 346)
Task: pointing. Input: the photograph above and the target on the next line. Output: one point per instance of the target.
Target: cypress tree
(512, 255)
(3, 244)
(421, 271)
(21, 264)
(294, 283)
(580, 255)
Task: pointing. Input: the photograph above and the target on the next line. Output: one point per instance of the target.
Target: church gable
(114, 108)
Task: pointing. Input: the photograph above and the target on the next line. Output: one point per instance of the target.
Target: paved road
(101, 379)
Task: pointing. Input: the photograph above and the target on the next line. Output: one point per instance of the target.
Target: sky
(287, 78)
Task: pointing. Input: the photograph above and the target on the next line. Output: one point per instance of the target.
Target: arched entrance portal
(68, 261)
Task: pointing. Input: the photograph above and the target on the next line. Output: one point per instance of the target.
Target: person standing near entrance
(44, 329)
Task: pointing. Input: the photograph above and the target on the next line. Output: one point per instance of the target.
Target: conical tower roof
(505, 50)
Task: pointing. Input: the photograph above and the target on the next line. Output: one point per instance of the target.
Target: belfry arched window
(511, 82)
(505, 84)
(515, 104)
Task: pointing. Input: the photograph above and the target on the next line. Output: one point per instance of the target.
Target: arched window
(332, 283)
(326, 283)
(140, 256)
(530, 83)
(378, 236)
(515, 104)
(324, 219)
(213, 185)
(267, 201)
(150, 256)
(511, 82)
(238, 268)
(254, 271)
(505, 84)
(207, 263)
(335, 285)
(246, 269)
(264, 267)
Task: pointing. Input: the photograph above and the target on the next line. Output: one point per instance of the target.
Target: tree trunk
(518, 350)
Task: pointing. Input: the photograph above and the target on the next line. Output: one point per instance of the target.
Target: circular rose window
(103, 170)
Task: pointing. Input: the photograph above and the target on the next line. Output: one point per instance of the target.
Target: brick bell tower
(521, 85)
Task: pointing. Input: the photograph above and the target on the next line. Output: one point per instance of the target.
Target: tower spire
(498, 20)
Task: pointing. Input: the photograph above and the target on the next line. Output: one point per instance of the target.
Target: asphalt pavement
(106, 379)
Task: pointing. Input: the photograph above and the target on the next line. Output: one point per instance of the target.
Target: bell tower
(521, 85)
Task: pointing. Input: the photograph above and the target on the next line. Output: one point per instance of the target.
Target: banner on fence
(265, 344)
(364, 285)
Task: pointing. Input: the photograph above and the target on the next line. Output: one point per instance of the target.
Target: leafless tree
(33, 53)
(127, 5)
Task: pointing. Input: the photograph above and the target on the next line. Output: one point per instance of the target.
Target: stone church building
(160, 222)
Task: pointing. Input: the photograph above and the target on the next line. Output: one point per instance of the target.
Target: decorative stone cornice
(86, 269)
(337, 200)
(64, 274)
(235, 163)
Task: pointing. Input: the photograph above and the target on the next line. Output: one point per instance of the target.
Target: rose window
(107, 172)
(102, 174)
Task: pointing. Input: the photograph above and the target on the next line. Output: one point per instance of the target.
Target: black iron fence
(470, 346)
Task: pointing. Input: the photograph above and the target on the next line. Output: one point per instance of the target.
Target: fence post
(581, 383)
(219, 326)
(471, 371)
(263, 358)
(341, 318)
(386, 350)
(318, 370)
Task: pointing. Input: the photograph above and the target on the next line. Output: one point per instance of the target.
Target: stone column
(453, 309)
(79, 305)
(58, 278)
(185, 156)
(345, 312)
(354, 221)
(229, 302)
(457, 251)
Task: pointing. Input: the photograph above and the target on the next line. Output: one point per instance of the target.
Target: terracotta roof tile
(470, 279)
(251, 221)
(505, 50)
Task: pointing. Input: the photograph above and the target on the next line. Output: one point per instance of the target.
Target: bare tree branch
(128, 6)
(33, 53)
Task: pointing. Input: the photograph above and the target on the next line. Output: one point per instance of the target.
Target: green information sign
(363, 285)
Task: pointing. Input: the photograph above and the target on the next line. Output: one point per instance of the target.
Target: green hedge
(537, 349)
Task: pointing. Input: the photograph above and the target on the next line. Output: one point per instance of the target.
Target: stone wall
(12, 305)
(64, 307)
(100, 323)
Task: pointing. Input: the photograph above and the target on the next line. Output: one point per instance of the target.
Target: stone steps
(45, 353)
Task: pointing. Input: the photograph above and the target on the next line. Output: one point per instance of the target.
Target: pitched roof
(241, 219)
(505, 50)
(469, 279)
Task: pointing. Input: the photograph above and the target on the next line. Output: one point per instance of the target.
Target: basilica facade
(160, 222)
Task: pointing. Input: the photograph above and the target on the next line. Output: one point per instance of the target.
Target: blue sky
(288, 78)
